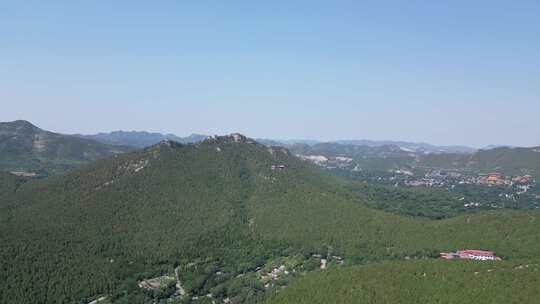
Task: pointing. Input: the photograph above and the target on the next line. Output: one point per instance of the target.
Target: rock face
(238, 137)
(232, 138)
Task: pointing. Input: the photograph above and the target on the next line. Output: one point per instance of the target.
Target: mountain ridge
(143, 138)
(26, 147)
(140, 139)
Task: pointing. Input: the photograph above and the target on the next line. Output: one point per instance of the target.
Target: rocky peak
(237, 137)
(232, 138)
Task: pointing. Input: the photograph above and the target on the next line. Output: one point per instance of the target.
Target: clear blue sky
(444, 72)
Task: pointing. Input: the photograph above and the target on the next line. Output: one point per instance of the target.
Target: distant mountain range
(27, 148)
(409, 146)
(403, 145)
(140, 139)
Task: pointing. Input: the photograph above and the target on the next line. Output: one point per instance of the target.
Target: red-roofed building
(479, 255)
(494, 178)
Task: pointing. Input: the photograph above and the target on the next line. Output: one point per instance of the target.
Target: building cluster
(440, 178)
(24, 174)
(496, 178)
(471, 254)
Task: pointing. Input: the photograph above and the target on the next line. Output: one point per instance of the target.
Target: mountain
(355, 151)
(356, 157)
(411, 146)
(25, 147)
(220, 215)
(403, 145)
(515, 161)
(489, 147)
(509, 161)
(140, 139)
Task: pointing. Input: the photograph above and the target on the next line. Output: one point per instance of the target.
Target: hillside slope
(228, 199)
(412, 282)
(25, 147)
(512, 161)
(509, 161)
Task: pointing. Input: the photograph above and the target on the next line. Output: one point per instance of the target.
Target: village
(424, 176)
(439, 178)
(443, 178)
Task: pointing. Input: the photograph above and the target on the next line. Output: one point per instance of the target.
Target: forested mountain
(140, 139)
(216, 211)
(25, 147)
(511, 161)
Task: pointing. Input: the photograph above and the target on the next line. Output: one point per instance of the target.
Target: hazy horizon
(283, 139)
(455, 73)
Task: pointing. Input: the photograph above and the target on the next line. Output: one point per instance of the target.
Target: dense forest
(218, 212)
(412, 282)
(439, 203)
